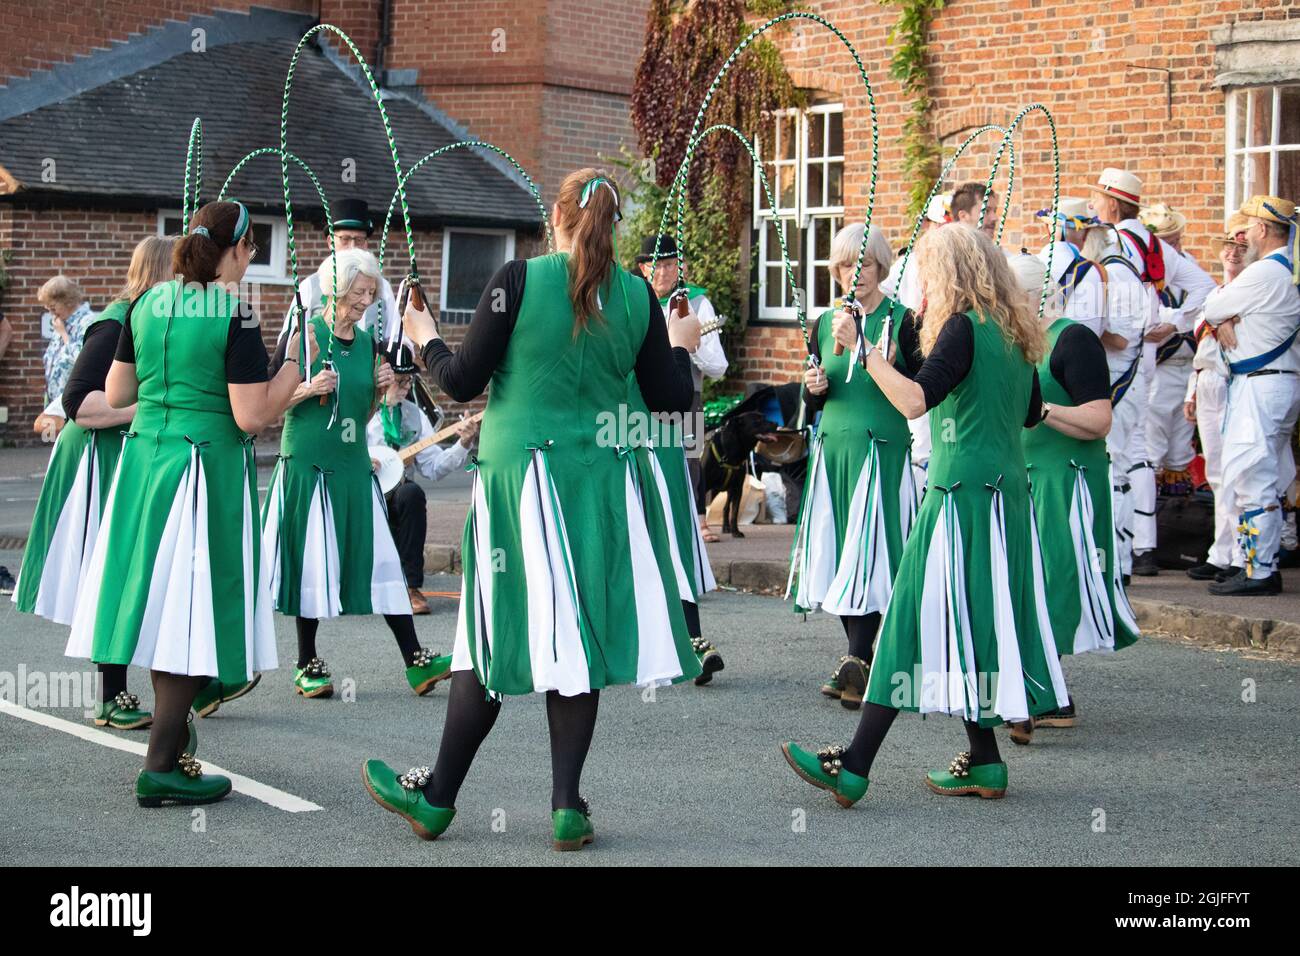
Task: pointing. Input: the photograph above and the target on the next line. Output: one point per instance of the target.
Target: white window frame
(446, 254)
(1237, 160)
(802, 214)
(277, 273)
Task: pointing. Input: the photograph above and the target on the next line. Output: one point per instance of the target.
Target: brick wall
(56, 32)
(991, 57)
(94, 247)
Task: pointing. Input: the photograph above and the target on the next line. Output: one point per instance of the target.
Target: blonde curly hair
(961, 270)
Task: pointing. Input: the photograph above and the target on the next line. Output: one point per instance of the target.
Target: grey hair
(845, 245)
(351, 263)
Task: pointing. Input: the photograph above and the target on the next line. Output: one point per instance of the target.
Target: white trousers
(1169, 434)
(1261, 416)
(1211, 399)
(1129, 469)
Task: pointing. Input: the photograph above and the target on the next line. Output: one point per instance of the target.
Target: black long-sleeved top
(90, 371)
(950, 361)
(909, 349)
(663, 372)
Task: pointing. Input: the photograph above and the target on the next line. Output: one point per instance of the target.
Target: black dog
(725, 457)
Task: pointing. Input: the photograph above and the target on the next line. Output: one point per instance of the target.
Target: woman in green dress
(326, 538)
(859, 496)
(174, 582)
(1069, 479)
(568, 583)
(967, 631)
(77, 480)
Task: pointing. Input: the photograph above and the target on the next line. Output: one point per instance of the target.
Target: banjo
(390, 464)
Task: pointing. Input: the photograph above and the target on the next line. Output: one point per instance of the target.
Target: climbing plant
(908, 65)
(687, 41)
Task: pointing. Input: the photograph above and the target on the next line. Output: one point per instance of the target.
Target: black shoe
(7, 582)
(1239, 585)
(1061, 717)
(852, 676)
(1207, 572)
(1227, 573)
(710, 660)
(1145, 564)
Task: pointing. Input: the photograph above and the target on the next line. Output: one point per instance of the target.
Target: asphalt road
(1184, 771)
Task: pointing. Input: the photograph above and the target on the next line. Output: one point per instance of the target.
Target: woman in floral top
(71, 315)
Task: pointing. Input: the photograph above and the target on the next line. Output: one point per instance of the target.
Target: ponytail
(214, 228)
(588, 203)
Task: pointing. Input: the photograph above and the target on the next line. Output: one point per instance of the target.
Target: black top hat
(667, 248)
(353, 214)
(402, 359)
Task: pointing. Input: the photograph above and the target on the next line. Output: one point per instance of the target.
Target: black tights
(172, 696)
(402, 626)
(692, 612)
(875, 723)
(861, 632)
(112, 681)
(470, 717)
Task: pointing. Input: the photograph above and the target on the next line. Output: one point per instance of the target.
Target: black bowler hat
(402, 359)
(353, 214)
(667, 248)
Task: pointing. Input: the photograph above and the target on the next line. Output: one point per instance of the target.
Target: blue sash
(1246, 366)
(1119, 387)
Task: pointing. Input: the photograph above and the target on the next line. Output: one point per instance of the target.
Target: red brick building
(1201, 98)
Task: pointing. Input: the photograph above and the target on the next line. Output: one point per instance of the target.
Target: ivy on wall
(687, 41)
(908, 66)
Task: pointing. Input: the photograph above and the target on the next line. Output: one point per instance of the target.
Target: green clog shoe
(185, 783)
(852, 679)
(988, 780)
(122, 713)
(710, 660)
(402, 794)
(823, 769)
(214, 693)
(833, 688)
(313, 680)
(426, 670)
(572, 829)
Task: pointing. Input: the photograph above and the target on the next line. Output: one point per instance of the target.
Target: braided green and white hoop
(194, 157)
(800, 312)
(1056, 186)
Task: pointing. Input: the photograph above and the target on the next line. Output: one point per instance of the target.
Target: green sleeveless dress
(185, 593)
(859, 498)
(68, 511)
(324, 504)
(1070, 483)
(568, 580)
(672, 483)
(967, 631)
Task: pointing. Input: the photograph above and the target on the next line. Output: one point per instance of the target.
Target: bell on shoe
(825, 770)
(426, 670)
(122, 713)
(988, 780)
(572, 829)
(313, 680)
(403, 794)
(185, 783)
(710, 660)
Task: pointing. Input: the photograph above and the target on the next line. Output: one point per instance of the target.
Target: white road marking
(245, 785)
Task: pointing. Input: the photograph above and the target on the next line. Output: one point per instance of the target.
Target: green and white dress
(569, 583)
(174, 582)
(68, 511)
(967, 631)
(859, 498)
(1071, 488)
(325, 534)
(672, 482)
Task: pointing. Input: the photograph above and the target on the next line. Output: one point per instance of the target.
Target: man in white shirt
(1083, 293)
(398, 423)
(1257, 318)
(708, 361)
(353, 228)
(1116, 200)
(1207, 392)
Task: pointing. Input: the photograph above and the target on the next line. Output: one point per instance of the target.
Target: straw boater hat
(1162, 220)
(1119, 184)
(1276, 209)
(1234, 231)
